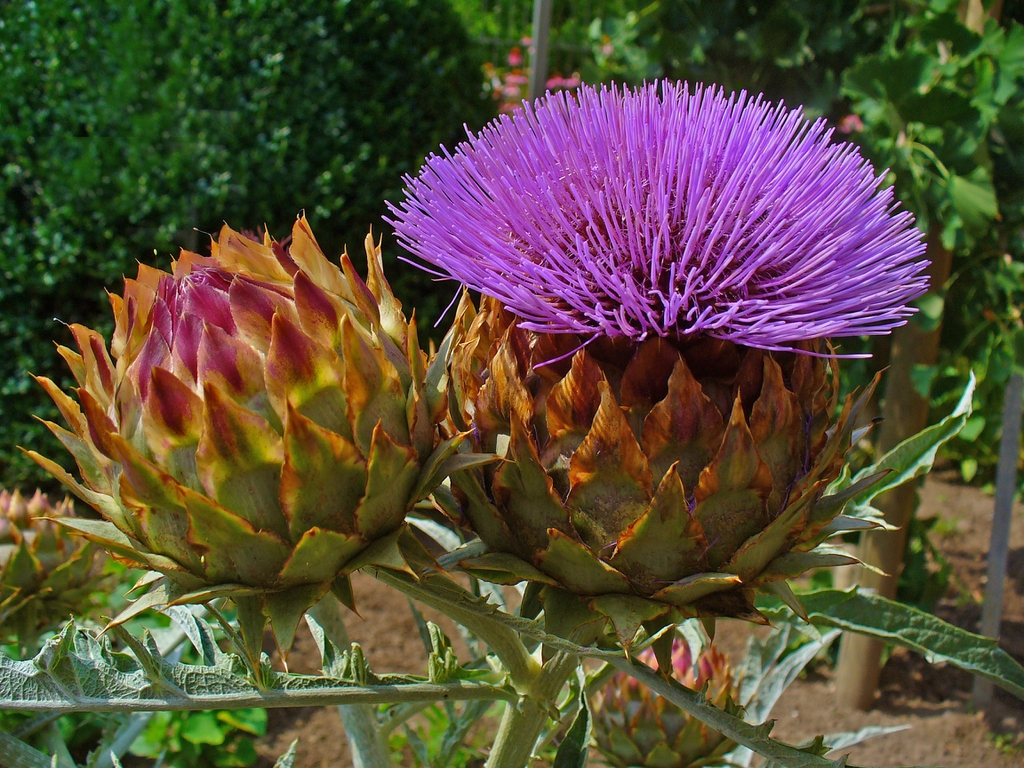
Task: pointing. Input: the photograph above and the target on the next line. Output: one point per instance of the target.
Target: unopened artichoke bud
(635, 728)
(661, 270)
(262, 424)
(46, 574)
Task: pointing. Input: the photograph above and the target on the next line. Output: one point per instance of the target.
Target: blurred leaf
(419, 748)
(20, 755)
(921, 377)
(975, 201)
(253, 721)
(848, 739)
(893, 77)
(203, 728)
(968, 469)
(972, 428)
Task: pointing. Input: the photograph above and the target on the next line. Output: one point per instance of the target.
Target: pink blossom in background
(851, 124)
(556, 82)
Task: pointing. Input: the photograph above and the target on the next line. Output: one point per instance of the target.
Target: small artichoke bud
(634, 728)
(258, 428)
(46, 574)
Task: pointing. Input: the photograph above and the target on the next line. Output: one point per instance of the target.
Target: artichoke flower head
(662, 270)
(259, 428)
(635, 728)
(46, 574)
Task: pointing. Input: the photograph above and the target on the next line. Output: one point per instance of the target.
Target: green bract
(260, 427)
(653, 479)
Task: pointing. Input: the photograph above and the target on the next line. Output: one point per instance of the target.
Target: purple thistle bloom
(671, 212)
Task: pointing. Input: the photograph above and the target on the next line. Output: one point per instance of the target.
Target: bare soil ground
(944, 730)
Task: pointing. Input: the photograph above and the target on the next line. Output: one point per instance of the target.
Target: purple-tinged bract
(259, 428)
(668, 211)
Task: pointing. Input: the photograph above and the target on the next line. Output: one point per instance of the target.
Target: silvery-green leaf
(851, 738)
(75, 671)
(875, 616)
(18, 754)
(287, 760)
(442, 534)
(696, 639)
(913, 457)
(198, 631)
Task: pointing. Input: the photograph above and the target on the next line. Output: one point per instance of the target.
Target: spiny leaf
(915, 455)
(610, 480)
(938, 641)
(76, 672)
(198, 631)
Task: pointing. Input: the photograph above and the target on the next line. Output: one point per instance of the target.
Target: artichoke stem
(365, 738)
(522, 722)
(459, 605)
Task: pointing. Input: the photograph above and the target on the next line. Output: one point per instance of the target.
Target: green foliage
(442, 737)
(928, 104)
(75, 734)
(129, 123)
(217, 739)
(926, 573)
(941, 107)
(984, 332)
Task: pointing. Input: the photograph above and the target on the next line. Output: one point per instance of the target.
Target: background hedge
(127, 123)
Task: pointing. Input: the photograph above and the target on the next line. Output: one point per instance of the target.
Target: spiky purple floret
(668, 211)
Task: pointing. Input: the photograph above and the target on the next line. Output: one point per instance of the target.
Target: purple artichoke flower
(668, 211)
(678, 245)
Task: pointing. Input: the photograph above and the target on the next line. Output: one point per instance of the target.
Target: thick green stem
(522, 723)
(66, 702)
(538, 686)
(455, 602)
(369, 748)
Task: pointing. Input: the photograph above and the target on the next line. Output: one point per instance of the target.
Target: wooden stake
(860, 658)
(1006, 489)
(905, 413)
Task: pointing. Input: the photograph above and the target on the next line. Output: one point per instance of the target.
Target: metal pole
(1006, 487)
(539, 48)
